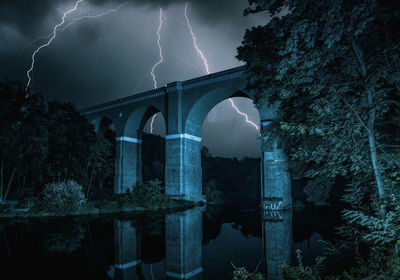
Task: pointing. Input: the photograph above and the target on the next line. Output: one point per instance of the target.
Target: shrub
(241, 273)
(63, 197)
(4, 208)
(28, 202)
(146, 194)
(301, 272)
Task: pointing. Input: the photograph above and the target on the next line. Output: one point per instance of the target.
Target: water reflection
(277, 241)
(183, 243)
(127, 252)
(192, 244)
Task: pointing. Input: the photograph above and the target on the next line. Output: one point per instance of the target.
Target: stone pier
(128, 164)
(276, 191)
(183, 167)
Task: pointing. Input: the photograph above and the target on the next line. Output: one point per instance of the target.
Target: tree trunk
(372, 148)
(371, 119)
(91, 178)
(9, 184)
(1, 181)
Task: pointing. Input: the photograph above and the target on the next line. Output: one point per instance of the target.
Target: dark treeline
(231, 179)
(224, 179)
(43, 142)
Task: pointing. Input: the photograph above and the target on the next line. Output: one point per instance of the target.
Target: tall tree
(23, 135)
(76, 151)
(332, 66)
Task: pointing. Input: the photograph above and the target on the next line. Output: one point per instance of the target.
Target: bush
(63, 197)
(241, 273)
(28, 202)
(4, 208)
(144, 195)
(301, 272)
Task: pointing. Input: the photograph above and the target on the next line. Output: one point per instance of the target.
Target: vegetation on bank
(331, 69)
(67, 198)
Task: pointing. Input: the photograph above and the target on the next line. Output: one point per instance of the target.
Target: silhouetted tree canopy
(44, 142)
(332, 67)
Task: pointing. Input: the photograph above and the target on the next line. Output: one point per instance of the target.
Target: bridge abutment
(183, 167)
(128, 164)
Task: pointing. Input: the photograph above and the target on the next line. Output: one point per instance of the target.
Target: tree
(23, 135)
(76, 151)
(332, 66)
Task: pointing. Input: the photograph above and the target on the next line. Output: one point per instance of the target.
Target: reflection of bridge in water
(184, 106)
(183, 238)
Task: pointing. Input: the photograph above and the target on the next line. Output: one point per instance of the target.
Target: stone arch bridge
(184, 106)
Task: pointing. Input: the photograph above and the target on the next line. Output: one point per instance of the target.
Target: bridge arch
(137, 119)
(200, 108)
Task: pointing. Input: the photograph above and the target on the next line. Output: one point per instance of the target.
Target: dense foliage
(23, 137)
(42, 142)
(63, 197)
(331, 69)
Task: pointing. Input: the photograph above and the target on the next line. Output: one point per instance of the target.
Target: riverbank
(9, 210)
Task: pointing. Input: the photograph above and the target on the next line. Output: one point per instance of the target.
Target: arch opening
(153, 130)
(230, 151)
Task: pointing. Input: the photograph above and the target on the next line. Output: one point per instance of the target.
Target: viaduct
(184, 106)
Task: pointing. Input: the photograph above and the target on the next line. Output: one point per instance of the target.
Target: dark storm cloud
(102, 59)
(27, 15)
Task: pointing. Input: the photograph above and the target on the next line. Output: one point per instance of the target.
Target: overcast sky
(101, 59)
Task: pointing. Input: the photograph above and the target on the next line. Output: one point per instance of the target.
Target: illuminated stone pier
(275, 178)
(128, 164)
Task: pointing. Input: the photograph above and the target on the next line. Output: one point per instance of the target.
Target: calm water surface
(200, 243)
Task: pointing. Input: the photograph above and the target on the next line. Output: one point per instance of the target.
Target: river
(200, 243)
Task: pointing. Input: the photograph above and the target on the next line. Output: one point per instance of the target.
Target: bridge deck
(191, 83)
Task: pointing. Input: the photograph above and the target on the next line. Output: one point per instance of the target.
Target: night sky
(101, 59)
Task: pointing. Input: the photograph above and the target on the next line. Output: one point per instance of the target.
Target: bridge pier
(128, 164)
(183, 167)
(276, 190)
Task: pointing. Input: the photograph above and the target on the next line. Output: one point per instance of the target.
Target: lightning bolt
(243, 114)
(208, 71)
(116, 9)
(78, 19)
(152, 122)
(49, 41)
(159, 48)
(195, 40)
